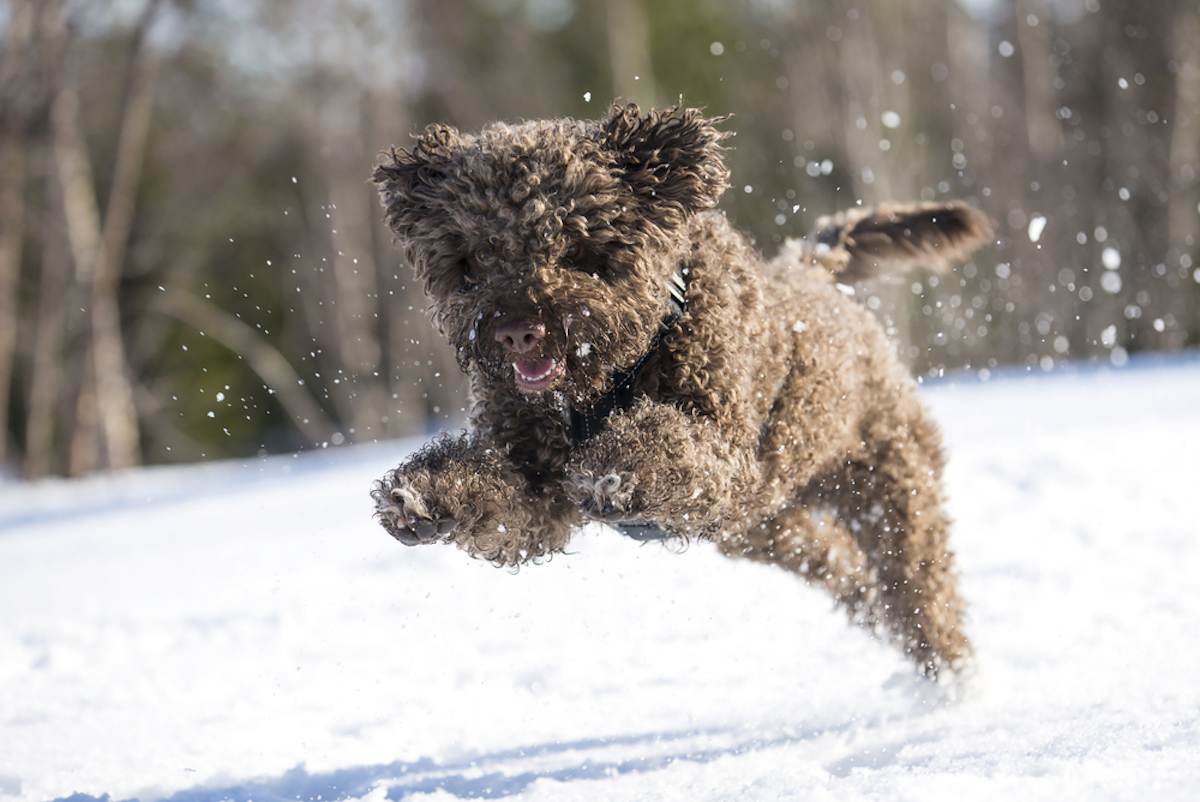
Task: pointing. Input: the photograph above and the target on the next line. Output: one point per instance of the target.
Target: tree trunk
(82, 218)
(12, 228)
(629, 48)
(1041, 97)
(114, 393)
(17, 38)
(1183, 223)
(55, 297)
(105, 412)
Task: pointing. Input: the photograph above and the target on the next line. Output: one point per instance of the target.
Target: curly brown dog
(633, 360)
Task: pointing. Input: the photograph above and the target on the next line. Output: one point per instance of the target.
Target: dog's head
(547, 247)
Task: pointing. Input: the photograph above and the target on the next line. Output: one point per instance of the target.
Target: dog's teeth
(552, 367)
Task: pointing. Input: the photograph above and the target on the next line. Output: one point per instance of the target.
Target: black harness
(590, 421)
(587, 422)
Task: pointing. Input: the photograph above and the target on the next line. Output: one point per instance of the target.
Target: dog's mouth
(538, 374)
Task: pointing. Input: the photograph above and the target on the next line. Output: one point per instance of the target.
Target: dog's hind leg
(809, 540)
(873, 535)
(892, 507)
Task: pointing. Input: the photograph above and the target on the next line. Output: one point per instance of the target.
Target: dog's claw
(607, 497)
(405, 514)
(597, 509)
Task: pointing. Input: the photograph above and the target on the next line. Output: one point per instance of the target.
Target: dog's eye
(587, 261)
(485, 256)
(576, 257)
(474, 268)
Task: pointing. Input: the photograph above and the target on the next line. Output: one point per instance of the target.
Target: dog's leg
(659, 464)
(462, 490)
(875, 540)
(893, 509)
(808, 539)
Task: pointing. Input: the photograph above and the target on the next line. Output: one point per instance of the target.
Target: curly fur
(772, 418)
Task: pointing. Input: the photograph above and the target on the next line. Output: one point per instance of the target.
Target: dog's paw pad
(417, 532)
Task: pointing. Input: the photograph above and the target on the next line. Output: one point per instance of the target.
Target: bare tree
(1184, 182)
(191, 217)
(15, 80)
(106, 429)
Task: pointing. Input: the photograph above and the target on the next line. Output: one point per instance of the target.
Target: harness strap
(590, 421)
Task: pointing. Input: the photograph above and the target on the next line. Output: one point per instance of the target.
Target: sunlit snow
(244, 630)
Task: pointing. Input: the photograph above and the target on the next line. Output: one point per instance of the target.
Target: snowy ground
(246, 631)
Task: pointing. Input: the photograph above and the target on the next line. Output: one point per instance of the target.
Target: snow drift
(245, 631)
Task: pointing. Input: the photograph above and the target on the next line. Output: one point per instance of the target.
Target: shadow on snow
(499, 774)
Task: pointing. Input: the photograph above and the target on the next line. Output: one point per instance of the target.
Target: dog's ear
(671, 159)
(411, 180)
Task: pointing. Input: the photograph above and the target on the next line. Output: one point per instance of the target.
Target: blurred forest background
(193, 264)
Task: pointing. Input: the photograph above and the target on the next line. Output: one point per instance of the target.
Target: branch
(262, 357)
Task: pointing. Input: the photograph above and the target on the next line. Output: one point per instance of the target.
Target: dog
(633, 360)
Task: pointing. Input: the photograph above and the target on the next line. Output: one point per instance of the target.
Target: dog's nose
(520, 336)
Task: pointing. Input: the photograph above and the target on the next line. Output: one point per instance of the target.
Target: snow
(245, 631)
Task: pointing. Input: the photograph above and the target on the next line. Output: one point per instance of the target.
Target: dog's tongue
(535, 369)
(536, 373)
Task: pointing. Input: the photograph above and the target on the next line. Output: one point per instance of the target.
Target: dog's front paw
(606, 497)
(405, 514)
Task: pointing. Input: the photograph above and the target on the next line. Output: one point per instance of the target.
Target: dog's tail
(892, 238)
